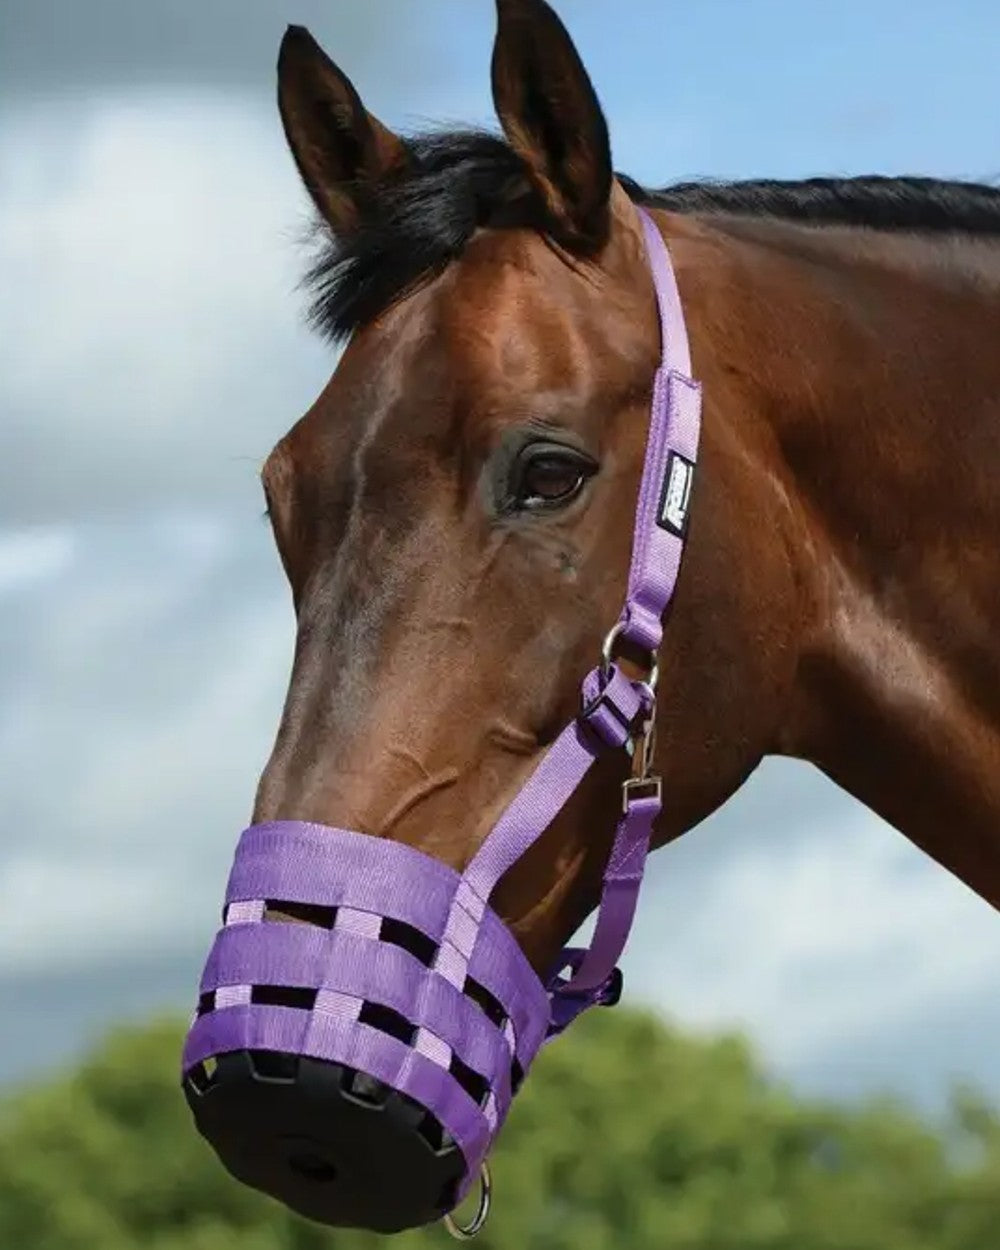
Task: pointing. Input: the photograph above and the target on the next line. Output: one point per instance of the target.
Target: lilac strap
(562, 769)
(657, 546)
(675, 352)
(615, 700)
(675, 424)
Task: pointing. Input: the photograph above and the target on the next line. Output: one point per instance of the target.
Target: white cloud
(33, 555)
(144, 685)
(151, 334)
(74, 908)
(818, 942)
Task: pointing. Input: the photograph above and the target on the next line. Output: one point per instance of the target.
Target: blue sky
(152, 350)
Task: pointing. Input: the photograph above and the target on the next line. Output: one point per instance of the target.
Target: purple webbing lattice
(418, 982)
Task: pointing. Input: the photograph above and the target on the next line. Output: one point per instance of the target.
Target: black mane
(413, 226)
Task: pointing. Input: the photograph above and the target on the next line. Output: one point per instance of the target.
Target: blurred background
(152, 349)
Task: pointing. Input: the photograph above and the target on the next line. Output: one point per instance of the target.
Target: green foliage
(628, 1136)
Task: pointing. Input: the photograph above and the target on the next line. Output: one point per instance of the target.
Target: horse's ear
(552, 118)
(340, 148)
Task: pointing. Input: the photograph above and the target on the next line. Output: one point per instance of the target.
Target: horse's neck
(883, 391)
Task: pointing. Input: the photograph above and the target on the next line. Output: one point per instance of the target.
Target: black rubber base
(332, 1144)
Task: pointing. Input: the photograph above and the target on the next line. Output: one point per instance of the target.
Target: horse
(454, 512)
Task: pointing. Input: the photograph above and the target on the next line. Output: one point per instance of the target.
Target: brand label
(676, 497)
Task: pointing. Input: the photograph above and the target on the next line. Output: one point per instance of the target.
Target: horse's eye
(550, 478)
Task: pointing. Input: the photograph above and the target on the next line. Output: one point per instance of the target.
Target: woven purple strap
(612, 702)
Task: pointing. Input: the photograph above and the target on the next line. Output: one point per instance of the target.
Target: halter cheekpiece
(406, 1013)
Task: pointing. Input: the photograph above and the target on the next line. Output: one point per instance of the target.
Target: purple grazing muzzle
(365, 1017)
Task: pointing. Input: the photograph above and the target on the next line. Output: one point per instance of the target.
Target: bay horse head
(455, 518)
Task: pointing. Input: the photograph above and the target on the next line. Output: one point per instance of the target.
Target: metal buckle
(465, 1232)
(640, 788)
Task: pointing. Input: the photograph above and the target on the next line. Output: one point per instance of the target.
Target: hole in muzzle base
(310, 1162)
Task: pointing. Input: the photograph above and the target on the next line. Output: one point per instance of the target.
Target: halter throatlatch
(359, 1065)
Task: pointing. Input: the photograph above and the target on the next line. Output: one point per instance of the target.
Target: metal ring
(609, 642)
(465, 1232)
(608, 646)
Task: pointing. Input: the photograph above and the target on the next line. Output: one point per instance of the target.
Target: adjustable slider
(608, 718)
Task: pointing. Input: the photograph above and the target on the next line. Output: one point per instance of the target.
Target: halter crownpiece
(358, 1066)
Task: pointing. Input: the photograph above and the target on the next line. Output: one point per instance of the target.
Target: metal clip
(643, 783)
(642, 758)
(465, 1232)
